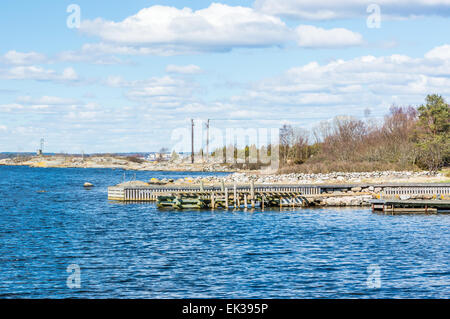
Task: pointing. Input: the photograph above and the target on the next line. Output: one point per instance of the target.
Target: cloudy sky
(130, 73)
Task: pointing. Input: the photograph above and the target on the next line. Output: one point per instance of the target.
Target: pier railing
(416, 190)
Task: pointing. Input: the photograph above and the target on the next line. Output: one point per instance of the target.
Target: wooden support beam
(235, 195)
(226, 198)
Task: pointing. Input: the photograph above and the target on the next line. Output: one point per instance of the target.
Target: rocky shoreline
(112, 162)
(328, 178)
(236, 176)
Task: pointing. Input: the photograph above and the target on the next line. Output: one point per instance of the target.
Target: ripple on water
(137, 251)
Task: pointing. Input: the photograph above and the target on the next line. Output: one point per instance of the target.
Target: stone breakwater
(328, 178)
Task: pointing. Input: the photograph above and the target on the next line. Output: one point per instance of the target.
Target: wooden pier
(265, 195)
(392, 206)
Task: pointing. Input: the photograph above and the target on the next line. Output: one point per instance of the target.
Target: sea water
(60, 240)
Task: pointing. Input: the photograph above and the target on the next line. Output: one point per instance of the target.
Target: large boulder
(154, 181)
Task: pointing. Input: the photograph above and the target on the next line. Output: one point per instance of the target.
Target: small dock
(392, 206)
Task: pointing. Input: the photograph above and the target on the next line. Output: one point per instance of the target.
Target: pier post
(252, 193)
(226, 198)
(213, 201)
(235, 195)
(245, 201)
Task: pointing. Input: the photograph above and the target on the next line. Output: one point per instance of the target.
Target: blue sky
(134, 72)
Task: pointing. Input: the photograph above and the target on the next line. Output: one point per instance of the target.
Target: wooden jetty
(263, 195)
(392, 206)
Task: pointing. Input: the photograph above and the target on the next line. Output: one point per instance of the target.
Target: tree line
(407, 138)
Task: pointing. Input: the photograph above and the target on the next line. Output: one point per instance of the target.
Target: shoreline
(125, 168)
(239, 176)
(112, 162)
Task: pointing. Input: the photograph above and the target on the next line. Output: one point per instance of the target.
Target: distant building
(158, 157)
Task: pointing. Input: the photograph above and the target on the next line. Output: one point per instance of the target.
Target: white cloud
(22, 58)
(441, 52)
(163, 92)
(183, 69)
(349, 86)
(163, 30)
(46, 100)
(69, 74)
(38, 73)
(98, 53)
(313, 37)
(29, 72)
(326, 10)
(116, 81)
(218, 27)
(12, 107)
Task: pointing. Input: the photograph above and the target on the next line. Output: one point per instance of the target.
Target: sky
(128, 76)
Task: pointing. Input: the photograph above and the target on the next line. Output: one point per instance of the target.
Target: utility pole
(207, 141)
(192, 141)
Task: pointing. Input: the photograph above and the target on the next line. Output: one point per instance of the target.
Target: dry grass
(446, 171)
(346, 166)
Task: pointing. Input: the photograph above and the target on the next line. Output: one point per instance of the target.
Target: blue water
(135, 250)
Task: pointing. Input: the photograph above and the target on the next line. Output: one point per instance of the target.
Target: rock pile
(320, 178)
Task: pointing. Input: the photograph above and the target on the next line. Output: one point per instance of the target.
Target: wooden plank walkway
(392, 206)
